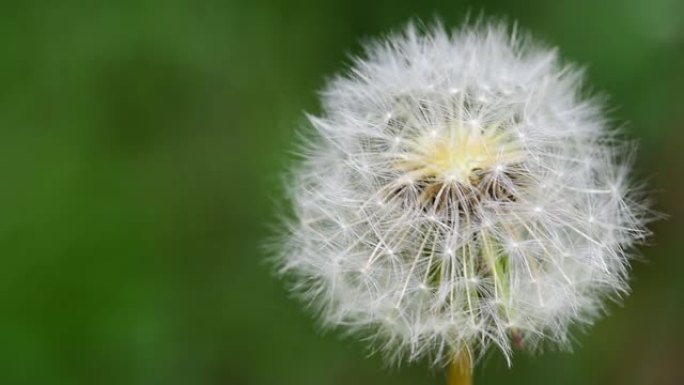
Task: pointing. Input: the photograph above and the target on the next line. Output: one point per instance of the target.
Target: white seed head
(460, 193)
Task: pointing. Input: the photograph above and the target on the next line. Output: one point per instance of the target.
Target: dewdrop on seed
(458, 194)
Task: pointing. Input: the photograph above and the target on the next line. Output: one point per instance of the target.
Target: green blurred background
(141, 146)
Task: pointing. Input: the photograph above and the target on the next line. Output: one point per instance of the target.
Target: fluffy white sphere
(458, 192)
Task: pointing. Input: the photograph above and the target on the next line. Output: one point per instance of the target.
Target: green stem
(460, 371)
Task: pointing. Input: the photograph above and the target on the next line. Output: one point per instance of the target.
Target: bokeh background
(141, 149)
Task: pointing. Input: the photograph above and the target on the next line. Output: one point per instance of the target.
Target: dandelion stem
(460, 370)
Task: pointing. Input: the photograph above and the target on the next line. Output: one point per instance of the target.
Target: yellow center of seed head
(457, 157)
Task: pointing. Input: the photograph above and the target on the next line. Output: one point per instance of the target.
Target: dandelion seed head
(459, 193)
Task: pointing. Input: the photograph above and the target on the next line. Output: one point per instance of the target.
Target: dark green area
(141, 150)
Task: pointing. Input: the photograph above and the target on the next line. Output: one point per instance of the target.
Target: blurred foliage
(141, 149)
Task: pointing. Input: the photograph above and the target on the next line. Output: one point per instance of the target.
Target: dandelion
(460, 193)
